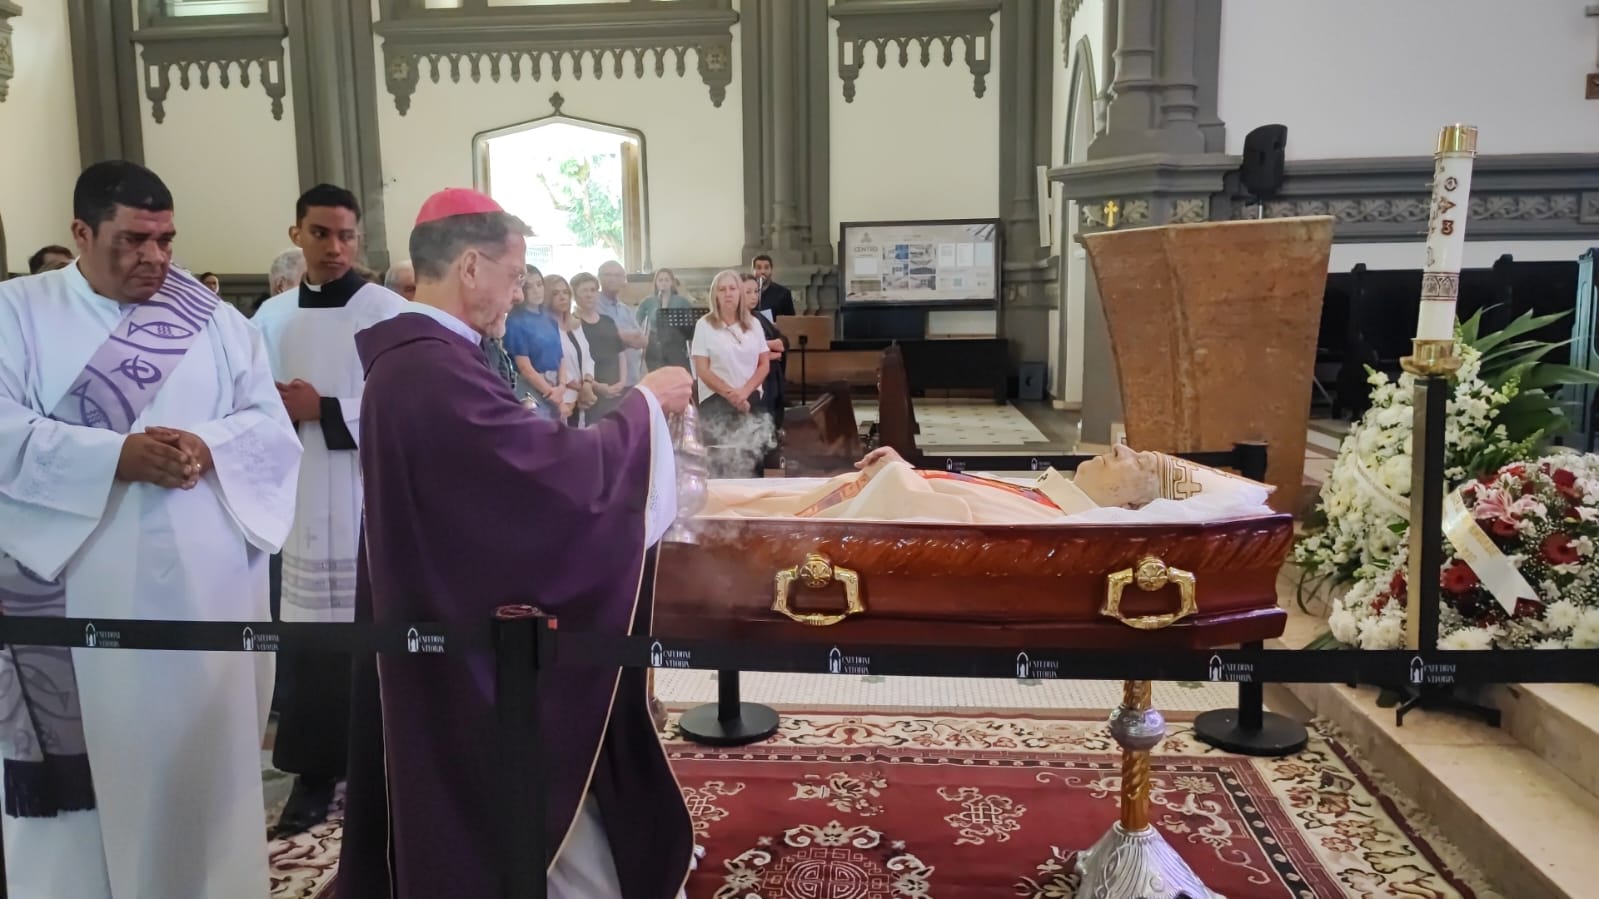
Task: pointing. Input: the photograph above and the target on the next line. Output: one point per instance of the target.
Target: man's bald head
(612, 278)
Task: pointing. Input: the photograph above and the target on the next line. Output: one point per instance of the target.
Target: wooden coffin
(1015, 586)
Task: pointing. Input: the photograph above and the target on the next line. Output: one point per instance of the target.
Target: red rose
(1379, 604)
(1529, 487)
(1397, 585)
(1528, 608)
(1566, 484)
(1503, 527)
(1557, 549)
(1459, 578)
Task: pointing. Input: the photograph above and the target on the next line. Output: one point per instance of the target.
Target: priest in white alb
(147, 471)
(310, 339)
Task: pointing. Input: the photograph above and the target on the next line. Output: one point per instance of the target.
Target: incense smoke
(739, 445)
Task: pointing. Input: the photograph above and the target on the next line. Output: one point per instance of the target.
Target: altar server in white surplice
(310, 339)
(147, 471)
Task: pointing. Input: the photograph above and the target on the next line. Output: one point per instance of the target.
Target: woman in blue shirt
(533, 340)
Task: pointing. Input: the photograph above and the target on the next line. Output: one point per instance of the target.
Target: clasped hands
(165, 457)
(739, 399)
(301, 400)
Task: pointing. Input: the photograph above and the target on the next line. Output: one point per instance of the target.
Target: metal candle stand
(1431, 365)
(1432, 361)
(1132, 859)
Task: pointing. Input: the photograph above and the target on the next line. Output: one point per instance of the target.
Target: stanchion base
(1137, 864)
(1443, 699)
(1278, 735)
(706, 725)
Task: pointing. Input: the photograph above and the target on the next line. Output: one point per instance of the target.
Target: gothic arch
(1081, 77)
(635, 254)
(1081, 124)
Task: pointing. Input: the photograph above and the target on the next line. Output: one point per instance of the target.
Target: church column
(1130, 116)
(1026, 54)
(1179, 101)
(1157, 162)
(784, 62)
(105, 78)
(335, 108)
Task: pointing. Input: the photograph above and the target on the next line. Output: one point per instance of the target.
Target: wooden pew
(822, 438)
(855, 368)
(896, 416)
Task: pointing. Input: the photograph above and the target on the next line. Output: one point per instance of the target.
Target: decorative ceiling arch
(879, 23)
(641, 37)
(190, 44)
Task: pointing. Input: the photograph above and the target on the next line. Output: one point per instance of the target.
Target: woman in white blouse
(730, 361)
(577, 363)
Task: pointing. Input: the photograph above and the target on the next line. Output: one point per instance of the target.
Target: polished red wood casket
(1145, 586)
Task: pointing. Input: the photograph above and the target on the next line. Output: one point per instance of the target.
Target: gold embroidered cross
(1111, 210)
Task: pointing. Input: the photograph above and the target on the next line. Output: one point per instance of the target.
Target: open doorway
(579, 185)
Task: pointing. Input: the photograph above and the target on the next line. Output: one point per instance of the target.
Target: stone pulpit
(1213, 328)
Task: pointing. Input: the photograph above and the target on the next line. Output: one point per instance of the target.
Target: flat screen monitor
(945, 262)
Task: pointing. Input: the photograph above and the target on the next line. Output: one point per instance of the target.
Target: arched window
(578, 184)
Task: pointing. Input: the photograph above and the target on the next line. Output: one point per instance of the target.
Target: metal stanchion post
(729, 721)
(1426, 549)
(523, 853)
(1250, 729)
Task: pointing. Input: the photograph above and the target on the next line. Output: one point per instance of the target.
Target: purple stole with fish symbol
(46, 761)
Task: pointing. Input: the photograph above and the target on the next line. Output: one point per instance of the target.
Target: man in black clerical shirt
(775, 298)
(309, 336)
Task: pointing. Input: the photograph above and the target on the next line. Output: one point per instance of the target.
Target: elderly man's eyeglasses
(521, 268)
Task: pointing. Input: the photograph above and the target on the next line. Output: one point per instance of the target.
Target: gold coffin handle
(1150, 574)
(816, 572)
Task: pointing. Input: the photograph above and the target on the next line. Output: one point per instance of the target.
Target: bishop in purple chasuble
(472, 503)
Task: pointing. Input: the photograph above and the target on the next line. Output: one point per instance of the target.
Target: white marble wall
(1378, 78)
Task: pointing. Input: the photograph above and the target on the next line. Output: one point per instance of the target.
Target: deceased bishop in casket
(1137, 549)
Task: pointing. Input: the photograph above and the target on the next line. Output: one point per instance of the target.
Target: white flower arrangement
(1366, 497)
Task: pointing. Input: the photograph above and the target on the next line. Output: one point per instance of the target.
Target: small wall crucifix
(1112, 209)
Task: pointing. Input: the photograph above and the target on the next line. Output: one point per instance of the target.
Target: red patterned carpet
(947, 807)
(879, 807)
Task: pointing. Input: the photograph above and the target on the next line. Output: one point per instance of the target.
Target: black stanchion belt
(560, 647)
(244, 636)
